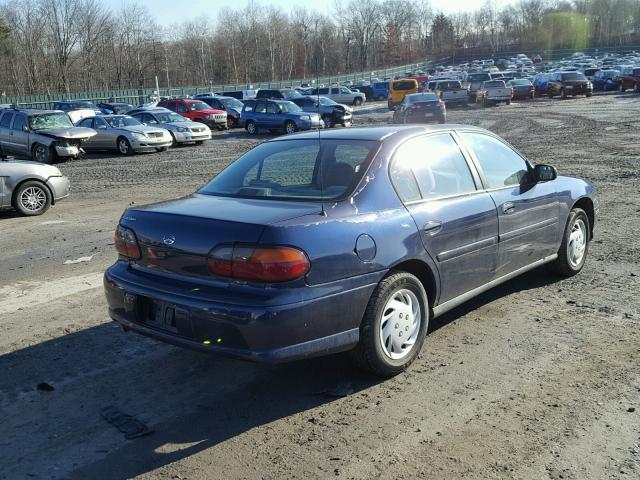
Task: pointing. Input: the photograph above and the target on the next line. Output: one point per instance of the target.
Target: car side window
(5, 121)
(149, 119)
(344, 90)
(272, 108)
(501, 165)
(182, 108)
(99, 123)
(19, 122)
(249, 106)
(261, 107)
(86, 123)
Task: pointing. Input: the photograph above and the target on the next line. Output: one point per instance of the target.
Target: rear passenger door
(528, 212)
(456, 219)
(6, 139)
(19, 135)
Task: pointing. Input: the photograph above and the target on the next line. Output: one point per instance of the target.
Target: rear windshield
(404, 85)
(478, 77)
(494, 84)
(423, 97)
(573, 76)
(296, 170)
(520, 82)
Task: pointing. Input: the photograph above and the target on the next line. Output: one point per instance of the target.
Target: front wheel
(588, 94)
(289, 127)
(508, 102)
(394, 325)
(357, 101)
(32, 198)
(327, 121)
(575, 244)
(41, 153)
(251, 127)
(124, 147)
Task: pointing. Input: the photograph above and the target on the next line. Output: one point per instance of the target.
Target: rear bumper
(270, 333)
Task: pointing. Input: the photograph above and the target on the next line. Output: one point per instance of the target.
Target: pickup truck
(451, 91)
(494, 91)
(341, 95)
(474, 82)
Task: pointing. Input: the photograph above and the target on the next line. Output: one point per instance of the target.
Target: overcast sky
(167, 12)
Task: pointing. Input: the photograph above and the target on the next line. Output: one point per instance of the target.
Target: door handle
(432, 227)
(508, 207)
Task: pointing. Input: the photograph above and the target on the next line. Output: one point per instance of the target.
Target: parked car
(605, 80)
(540, 83)
(276, 115)
(237, 94)
(125, 134)
(398, 89)
(231, 105)
(197, 111)
(29, 187)
(306, 247)
(277, 94)
(522, 88)
(341, 95)
(119, 108)
(77, 109)
(426, 107)
(332, 113)
(569, 84)
(182, 129)
(493, 92)
(629, 79)
(45, 136)
(379, 90)
(474, 82)
(451, 91)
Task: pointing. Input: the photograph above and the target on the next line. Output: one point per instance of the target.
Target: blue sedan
(273, 115)
(308, 246)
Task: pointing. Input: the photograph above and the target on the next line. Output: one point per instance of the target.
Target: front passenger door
(456, 220)
(528, 212)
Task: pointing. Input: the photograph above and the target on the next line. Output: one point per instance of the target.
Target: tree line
(49, 46)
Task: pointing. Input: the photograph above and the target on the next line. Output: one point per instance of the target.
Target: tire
(174, 143)
(380, 98)
(162, 149)
(563, 93)
(636, 88)
(484, 103)
(508, 102)
(290, 127)
(357, 101)
(442, 121)
(251, 127)
(575, 242)
(123, 146)
(327, 121)
(589, 94)
(620, 88)
(199, 142)
(31, 198)
(380, 335)
(41, 153)
(231, 122)
(549, 94)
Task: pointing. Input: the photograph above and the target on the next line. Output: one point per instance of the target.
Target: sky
(167, 12)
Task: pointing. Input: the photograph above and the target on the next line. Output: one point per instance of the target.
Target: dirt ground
(536, 379)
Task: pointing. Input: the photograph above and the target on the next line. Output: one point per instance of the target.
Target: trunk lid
(176, 236)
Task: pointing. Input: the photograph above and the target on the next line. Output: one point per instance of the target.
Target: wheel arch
(586, 204)
(423, 271)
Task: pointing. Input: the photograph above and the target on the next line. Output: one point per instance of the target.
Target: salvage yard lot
(538, 378)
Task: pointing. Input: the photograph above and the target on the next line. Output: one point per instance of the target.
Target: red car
(629, 79)
(197, 111)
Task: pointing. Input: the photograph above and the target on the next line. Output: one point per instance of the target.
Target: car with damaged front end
(344, 239)
(45, 136)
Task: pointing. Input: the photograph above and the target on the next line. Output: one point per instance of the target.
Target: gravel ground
(537, 379)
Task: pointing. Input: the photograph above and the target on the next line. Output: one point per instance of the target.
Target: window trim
(472, 156)
(469, 161)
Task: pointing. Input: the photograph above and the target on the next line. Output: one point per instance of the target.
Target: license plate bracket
(159, 314)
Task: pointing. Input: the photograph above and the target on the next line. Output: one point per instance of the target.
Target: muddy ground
(535, 379)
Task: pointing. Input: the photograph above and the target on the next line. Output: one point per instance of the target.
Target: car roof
(380, 133)
(151, 110)
(30, 111)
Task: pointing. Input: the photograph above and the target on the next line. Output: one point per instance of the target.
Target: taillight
(513, 91)
(258, 263)
(441, 104)
(126, 243)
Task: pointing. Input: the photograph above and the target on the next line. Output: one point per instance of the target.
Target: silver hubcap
(33, 199)
(251, 128)
(577, 243)
(124, 146)
(290, 128)
(400, 324)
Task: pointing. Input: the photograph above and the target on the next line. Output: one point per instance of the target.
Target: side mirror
(25, 128)
(544, 173)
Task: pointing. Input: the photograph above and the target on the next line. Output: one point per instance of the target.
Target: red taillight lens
(262, 264)
(126, 243)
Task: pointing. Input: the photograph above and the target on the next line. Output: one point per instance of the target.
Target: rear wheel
(199, 142)
(357, 101)
(381, 98)
(575, 244)
(41, 153)
(563, 93)
(251, 127)
(32, 198)
(620, 88)
(394, 325)
(508, 102)
(588, 94)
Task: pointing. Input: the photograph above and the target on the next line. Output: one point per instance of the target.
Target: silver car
(30, 187)
(43, 135)
(182, 129)
(125, 134)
